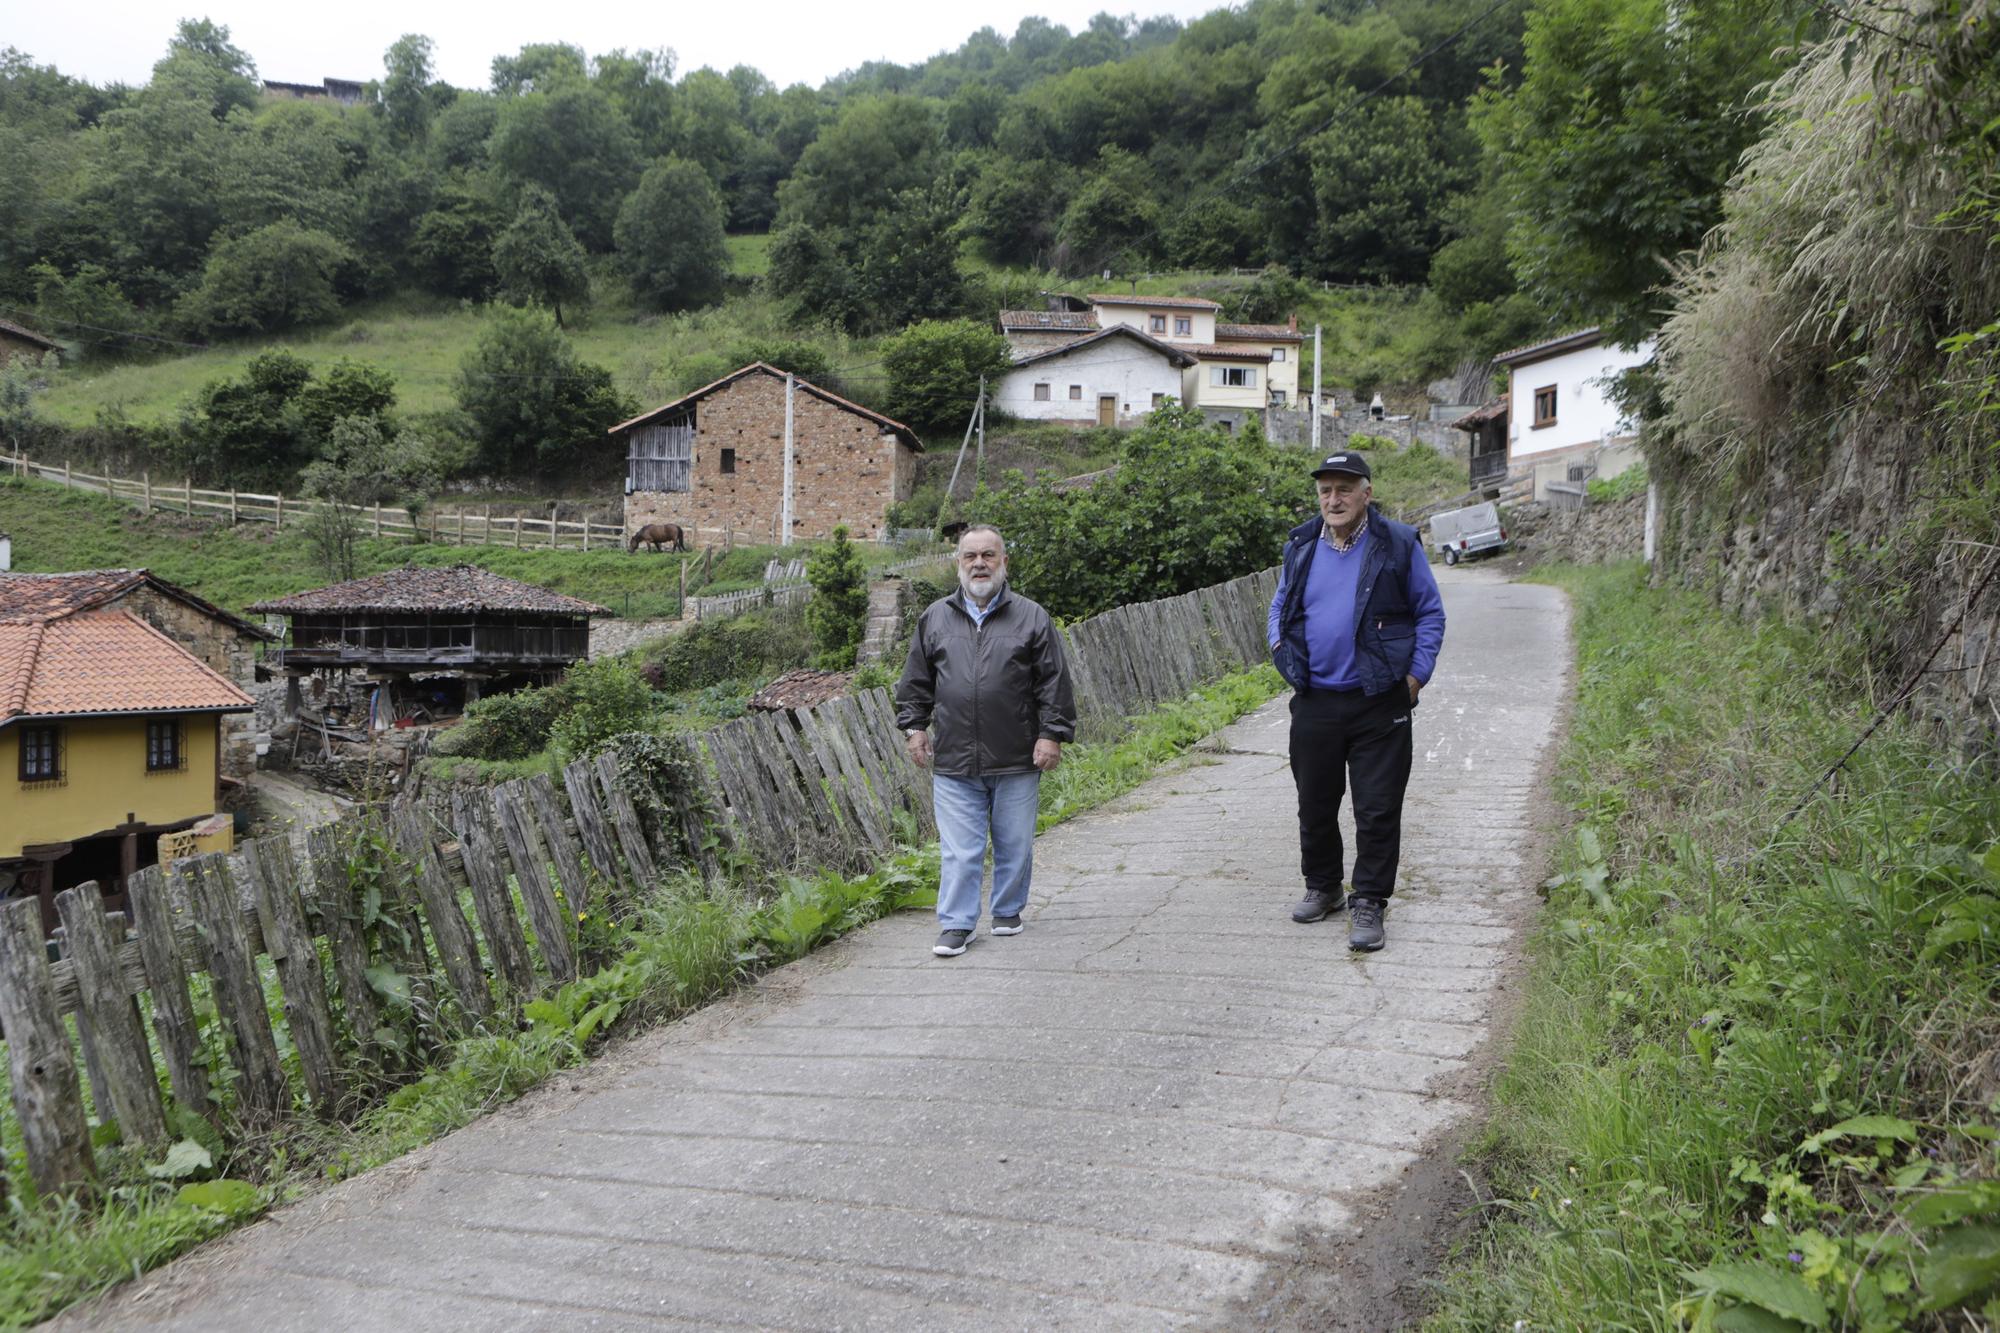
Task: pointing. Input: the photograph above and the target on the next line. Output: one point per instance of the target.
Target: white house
(1112, 377)
(1559, 394)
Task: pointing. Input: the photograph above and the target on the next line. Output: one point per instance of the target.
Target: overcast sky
(791, 41)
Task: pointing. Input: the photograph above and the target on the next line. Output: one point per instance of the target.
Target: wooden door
(1107, 409)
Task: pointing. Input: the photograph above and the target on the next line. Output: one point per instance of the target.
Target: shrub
(530, 399)
(276, 277)
(934, 369)
(504, 726)
(599, 700)
(712, 651)
(837, 615)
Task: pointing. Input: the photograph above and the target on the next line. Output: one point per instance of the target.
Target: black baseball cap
(1348, 461)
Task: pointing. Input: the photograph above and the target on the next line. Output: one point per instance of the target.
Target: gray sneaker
(1318, 905)
(1364, 931)
(951, 943)
(1006, 925)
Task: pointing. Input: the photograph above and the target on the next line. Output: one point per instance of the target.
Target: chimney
(1292, 324)
(6, 553)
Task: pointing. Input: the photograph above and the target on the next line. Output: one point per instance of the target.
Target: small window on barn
(1545, 407)
(1183, 325)
(41, 754)
(165, 752)
(728, 460)
(1076, 392)
(1156, 324)
(1041, 393)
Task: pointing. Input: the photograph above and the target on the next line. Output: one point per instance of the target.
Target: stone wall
(1595, 534)
(846, 469)
(222, 648)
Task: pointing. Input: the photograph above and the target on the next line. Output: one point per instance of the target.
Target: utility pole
(971, 424)
(1317, 408)
(979, 454)
(785, 510)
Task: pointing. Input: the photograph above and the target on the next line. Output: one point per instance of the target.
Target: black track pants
(1342, 739)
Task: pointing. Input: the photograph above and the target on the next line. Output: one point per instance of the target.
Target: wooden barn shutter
(661, 458)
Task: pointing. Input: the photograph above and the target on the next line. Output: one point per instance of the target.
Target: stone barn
(715, 460)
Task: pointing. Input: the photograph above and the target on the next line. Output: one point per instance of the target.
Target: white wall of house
(1120, 367)
(1253, 391)
(1199, 324)
(1584, 411)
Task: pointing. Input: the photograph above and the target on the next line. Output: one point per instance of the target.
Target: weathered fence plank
(261, 1094)
(449, 931)
(591, 824)
(531, 873)
(125, 1059)
(86, 1036)
(541, 794)
(492, 902)
(340, 919)
(625, 821)
(289, 941)
(48, 1100)
(174, 1021)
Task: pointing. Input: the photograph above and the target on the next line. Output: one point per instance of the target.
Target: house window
(1159, 401)
(1277, 397)
(1545, 407)
(1233, 377)
(1277, 354)
(164, 751)
(1156, 323)
(1041, 393)
(728, 460)
(41, 754)
(1076, 392)
(1183, 325)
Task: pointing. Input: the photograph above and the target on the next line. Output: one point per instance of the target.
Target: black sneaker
(951, 943)
(1364, 932)
(1318, 905)
(1006, 925)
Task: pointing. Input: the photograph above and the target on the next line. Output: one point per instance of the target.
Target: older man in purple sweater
(1355, 629)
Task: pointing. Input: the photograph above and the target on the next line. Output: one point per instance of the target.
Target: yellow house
(1280, 344)
(109, 737)
(1253, 367)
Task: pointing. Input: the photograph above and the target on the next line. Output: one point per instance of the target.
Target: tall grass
(1753, 1084)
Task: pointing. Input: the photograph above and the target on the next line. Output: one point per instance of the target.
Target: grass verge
(670, 955)
(1755, 1079)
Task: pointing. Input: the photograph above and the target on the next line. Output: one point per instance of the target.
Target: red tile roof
(97, 662)
(34, 597)
(430, 588)
(1479, 416)
(1177, 356)
(897, 428)
(1178, 302)
(1219, 352)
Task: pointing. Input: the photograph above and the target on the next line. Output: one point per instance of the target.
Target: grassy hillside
(56, 530)
(421, 342)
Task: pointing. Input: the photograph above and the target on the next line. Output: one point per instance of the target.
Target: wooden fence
(437, 524)
(363, 943)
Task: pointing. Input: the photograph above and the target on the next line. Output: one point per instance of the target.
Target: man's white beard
(982, 590)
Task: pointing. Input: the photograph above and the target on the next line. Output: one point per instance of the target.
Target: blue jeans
(968, 810)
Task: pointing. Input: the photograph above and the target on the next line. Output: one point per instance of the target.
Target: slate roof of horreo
(1063, 321)
(104, 662)
(1177, 302)
(895, 427)
(9, 327)
(35, 597)
(1479, 416)
(417, 588)
(1270, 333)
(1180, 357)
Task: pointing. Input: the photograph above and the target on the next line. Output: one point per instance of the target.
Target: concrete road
(1133, 1115)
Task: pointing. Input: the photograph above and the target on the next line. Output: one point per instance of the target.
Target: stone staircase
(885, 619)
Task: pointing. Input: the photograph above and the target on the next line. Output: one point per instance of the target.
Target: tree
(934, 370)
(1381, 174)
(407, 100)
(276, 277)
(348, 391)
(537, 258)
(837, 615)
(573, 143)
(669, 237)
(21, 378)
(452, 246)
(245, 429)
(1113, 220)
(361, 466)
(876, 148)
(532, 402)
(1608, 177)
(884, 275)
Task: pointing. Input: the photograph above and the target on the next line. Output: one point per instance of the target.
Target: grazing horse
(661, 534)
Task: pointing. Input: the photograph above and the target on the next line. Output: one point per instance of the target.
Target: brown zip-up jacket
(987, 692)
